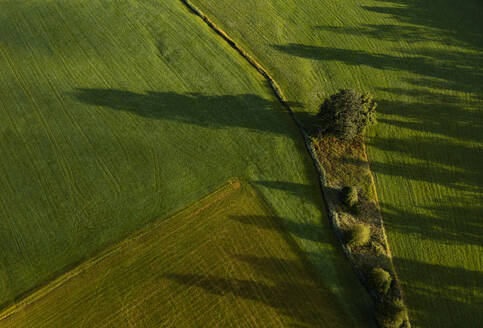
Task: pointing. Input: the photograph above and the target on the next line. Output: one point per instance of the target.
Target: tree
(380, 280)
(347, 114)
(358, 235)
(391, 313)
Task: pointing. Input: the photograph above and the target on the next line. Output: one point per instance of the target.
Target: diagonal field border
(190, 210)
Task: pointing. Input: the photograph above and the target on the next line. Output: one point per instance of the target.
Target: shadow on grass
(445, 118)
(299, 301)
(440, 225)
(464, 158)
(302, 191)
(302, 230)
(292, 187)
(452, 155)
(437, 19)
(433, 285)
(459, 169)
(443, 100)
(293, 287)
(228, 111)
(453, 70)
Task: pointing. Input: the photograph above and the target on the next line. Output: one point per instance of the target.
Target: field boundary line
(189, 211)
(279, 95)
(273, 85)
(323, 181)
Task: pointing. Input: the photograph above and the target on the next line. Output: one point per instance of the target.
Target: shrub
(358, 235)
(347, 114)
(391, 313)
(380, 280)
(378, 249)
(350, 196)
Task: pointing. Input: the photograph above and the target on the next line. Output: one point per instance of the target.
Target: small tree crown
(380, 280)
(358, 235)
(347, 113)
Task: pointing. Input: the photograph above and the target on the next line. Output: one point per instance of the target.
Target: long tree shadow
(293, 300)
(440, 19)
(287, 229)
(293, 188)
(425, 305)
(459, 168)
(444, 159)
(434, 284)
(303, 230)
(283, 284)
(453, 70)
(447, 119)
(420, 22)
(440, 225)
(441, 98)
(388, 32)
(236, 111)
(458, 180)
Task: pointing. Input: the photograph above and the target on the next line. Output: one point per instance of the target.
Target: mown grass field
(422, 61)
(116, 113)
(225, 261)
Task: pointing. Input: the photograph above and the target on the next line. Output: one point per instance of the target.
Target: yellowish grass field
(224, 261)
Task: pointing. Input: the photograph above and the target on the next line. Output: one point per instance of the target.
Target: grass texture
(225, 261)
(116, 113)
(422, 61)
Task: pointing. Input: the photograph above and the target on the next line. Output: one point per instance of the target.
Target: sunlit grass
(422, 61)
(113, 114)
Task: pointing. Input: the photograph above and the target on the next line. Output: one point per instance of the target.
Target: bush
(347, 114)
(391, 313)
(378, 249)
(380, 280)
(350, 196)
(358, 235)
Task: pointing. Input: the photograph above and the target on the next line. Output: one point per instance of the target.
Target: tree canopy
(347, 114)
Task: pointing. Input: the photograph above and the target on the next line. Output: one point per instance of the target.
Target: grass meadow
(117, 113)
(225, 261)
(423, 62)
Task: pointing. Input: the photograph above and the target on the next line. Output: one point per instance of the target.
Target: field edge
(190, 210)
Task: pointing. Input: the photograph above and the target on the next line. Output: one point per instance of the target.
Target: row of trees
(348, 114)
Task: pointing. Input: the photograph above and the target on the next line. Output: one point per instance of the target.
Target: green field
(116, 113)
(224, 262)
(423, 62)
